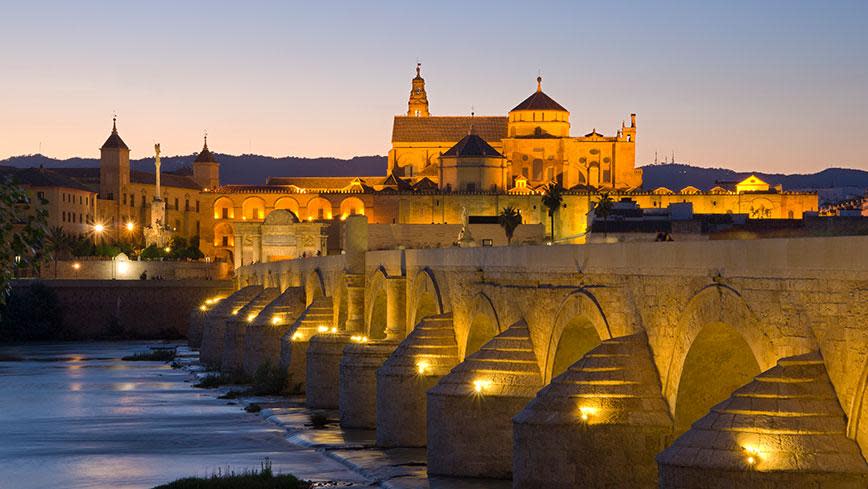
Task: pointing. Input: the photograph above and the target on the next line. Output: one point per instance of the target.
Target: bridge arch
(314, 285)
(376, 304)
(426, 299)
(483, 324)
(579, 325)
(718, 348)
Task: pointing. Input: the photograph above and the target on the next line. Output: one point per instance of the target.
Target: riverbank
(75, 415)
(396, 468)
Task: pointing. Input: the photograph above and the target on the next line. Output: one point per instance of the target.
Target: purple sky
(753, 85)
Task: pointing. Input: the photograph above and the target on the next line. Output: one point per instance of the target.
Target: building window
(79, 218)
(471, 187)
(177, 224)
(187, 205)
(197, 228)
(225, 214)
(225, 240)
(197, 206)
(606, 175)
(132, 200)
(320, 214)
(125, 199)
(176, 204)
(41, 195)
(144, 201)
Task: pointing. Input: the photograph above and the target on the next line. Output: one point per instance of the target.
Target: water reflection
(75, 416)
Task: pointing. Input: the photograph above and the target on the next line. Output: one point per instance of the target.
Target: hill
(833, 184)
(242, 169)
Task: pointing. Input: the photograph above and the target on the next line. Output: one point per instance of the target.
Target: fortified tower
(206, 170)
(418, 106)
(114, 166)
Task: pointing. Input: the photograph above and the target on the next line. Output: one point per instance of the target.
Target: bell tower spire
(418, 106)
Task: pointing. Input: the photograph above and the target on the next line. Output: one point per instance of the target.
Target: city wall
(106, 269)
(137, 309)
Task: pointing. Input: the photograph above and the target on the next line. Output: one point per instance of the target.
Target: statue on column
(157, 233)
(465, 239)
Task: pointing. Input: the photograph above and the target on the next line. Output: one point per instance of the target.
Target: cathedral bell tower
(418, 106)
(114, 166)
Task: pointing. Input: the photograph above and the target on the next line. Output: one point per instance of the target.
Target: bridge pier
(355, 303)
(262, 341)
(470, 410)
(236, 330)
(784, 429)
(358, 384)
(294, 343)
(598, 425)
(324, 370)
(211, 351)
(427, 354)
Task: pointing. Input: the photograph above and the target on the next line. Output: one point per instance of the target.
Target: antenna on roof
(472, 113)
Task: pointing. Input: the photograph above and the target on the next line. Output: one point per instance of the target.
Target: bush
(154, 355)
(264, 478)
(32, 314)
(269, 381)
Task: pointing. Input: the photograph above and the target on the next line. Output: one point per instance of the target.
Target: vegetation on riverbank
(268, 380)
(153, 355)
(264, 478)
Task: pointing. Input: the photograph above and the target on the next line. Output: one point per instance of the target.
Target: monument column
(396, 308)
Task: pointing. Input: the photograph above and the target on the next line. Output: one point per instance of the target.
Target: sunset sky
(749, 85)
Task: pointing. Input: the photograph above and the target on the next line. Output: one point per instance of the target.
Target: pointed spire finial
(206, 138)
(539, 83)
(115, 123)
(418, 69)
(472, 114)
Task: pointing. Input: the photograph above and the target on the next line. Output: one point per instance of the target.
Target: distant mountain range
(243, 169)
(833, 184)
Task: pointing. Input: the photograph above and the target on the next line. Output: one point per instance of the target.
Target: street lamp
(130, 226)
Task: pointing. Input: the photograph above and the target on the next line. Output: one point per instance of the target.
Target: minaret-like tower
(418, 106)
(114, 166)
(206, 170)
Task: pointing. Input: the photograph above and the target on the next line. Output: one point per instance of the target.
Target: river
(73, 415)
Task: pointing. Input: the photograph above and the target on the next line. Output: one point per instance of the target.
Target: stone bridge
(679, 364)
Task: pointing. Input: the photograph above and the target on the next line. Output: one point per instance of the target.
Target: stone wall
(143, 309)
(711, 314)
(105, 269)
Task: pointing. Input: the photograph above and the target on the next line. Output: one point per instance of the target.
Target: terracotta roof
(539, 101)
(471, 145)
(114, 140)
(320, 183)
(446, 128)
(43, 177)
(426, 184)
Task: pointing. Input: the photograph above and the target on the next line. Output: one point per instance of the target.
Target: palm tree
(59, 244)
(509, 219)
(604, 209)
(552, 199)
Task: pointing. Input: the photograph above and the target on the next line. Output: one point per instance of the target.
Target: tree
(603, 208)
(509, 219)
(552, 199)
(58, 244)
(22, 233)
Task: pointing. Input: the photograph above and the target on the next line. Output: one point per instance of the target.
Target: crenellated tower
(418, 106)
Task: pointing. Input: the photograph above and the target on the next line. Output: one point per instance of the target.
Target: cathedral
(444, 172)
(533, 141)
